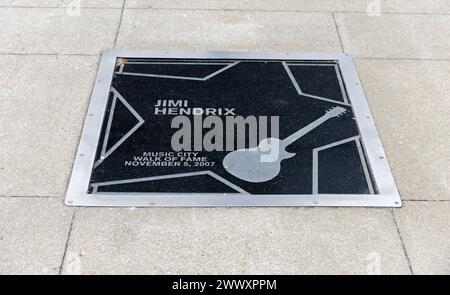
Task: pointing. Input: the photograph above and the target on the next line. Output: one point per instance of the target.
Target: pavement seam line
(56, 197)
(337, 32)
(98, 54)
(402, 242)
(286, 10)
(47, 54)
(120, 24)
(402, 58)
(57, 7)
(418, 200)
(28, 196)
(69, 234)
(231, 9)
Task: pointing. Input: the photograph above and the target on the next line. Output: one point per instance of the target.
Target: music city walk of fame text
(170, 159)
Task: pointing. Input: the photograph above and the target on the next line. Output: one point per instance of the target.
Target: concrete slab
(217, 30)
(42, 106)
(50, 30)
(370, 6)
(235, 241)
(409, 101)
(425, 228)
(395, 36)
(71, 4)
(43, 101)
(33, 234)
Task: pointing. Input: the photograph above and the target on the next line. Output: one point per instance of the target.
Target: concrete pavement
(49, 55)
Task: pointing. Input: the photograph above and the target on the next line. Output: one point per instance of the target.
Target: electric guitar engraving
(263, 163)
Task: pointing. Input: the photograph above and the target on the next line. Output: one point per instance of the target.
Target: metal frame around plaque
(77, 193)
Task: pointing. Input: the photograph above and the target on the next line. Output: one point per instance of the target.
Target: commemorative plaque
(229, 129)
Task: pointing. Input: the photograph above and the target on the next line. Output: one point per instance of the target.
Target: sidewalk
(50, 55)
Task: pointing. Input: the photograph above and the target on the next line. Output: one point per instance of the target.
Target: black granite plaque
(191, 126)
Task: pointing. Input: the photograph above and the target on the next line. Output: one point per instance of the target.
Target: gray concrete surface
(244, 241)
(410, 103)
(42, 111)
(52, 31)
(227, 30)
(425, 230)
(33, 234)
(395, 36)
(49, 55)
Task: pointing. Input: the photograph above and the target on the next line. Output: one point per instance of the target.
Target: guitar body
(258, 164)
(263, 162)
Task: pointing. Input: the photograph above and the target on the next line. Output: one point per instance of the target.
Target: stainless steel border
(84, 160)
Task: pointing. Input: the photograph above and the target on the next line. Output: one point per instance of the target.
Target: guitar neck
(308, 128)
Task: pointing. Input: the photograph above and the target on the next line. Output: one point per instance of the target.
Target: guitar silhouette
(263, 163)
